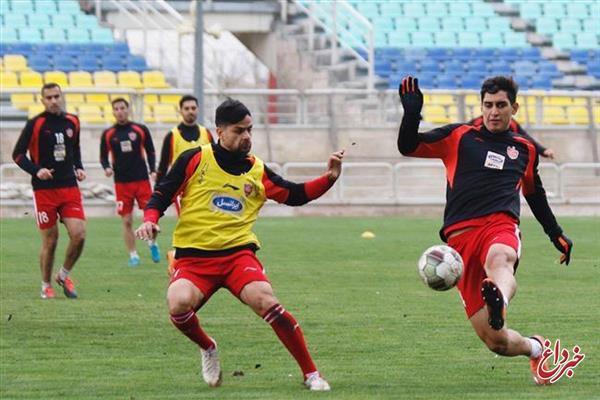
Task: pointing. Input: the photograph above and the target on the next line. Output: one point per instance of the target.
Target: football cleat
(534, 364)
(47, 293)
(134, 261)
(315, 382)
(155, 252)
(211, 367)
(494, 300)
(68, 287)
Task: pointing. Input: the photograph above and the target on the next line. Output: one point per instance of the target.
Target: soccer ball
(440, 267)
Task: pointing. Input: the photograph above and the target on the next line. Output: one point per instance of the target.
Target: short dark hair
(119, 100)
(187, 97)
(498, 83)
(50, 85)
(230, 111)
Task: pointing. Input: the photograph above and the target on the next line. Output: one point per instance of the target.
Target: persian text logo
(562, 361)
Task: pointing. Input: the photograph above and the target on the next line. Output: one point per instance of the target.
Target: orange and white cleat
(68, 287)
(47, 293)
(494, 300)
(534, 364)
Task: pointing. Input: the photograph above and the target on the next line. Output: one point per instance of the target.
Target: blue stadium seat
(15, 20)
(89, 63)
(78, 35)
(471, 82)
(62, 21)
(112, 62)
(30, 35)
(65, 64)
(9, 35)
(39, 20)
(40, 63)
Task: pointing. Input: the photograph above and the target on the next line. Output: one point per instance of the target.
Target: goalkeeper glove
(564, 245)
(411, 96)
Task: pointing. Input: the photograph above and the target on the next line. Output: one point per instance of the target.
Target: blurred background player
(515, 127)
(187, 135)
(132, 154)
(223, 188)
(54, 163)
(486, 168)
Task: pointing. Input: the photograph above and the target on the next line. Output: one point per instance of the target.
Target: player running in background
(130, 147)
(514, 126)
(54, 163)
(223, 188)
(486, 168)
(187, 135)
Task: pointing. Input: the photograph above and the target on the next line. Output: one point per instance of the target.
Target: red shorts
(127, 192)
(210, 274)
(49, 204)
(473, 246)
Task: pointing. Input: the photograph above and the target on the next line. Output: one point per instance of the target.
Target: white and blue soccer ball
(440, 267)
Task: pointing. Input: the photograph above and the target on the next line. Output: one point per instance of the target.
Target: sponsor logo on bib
(227, 204)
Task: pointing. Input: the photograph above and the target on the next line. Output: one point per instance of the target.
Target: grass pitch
(375, 331)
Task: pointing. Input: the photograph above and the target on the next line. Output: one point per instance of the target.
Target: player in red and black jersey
(223, 187)
(130, 147)
(486, 168)
(514, 126)
(54, 163)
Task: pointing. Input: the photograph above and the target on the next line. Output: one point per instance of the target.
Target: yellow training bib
(218, 210)
(180, 144)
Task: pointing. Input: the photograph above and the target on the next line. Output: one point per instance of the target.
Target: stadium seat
(80, 79)
(62, 20)
(578, 115)
(34, 109)
(436, 114)
(45, 6)
(102, 35)
(151, 99)
(31, 79)
(129, 79)
(136, 63)
(170, 99)
(13, 20)
(31, 35)
(86, 21)
(8, 79)
(68, 7)
(15, 63)
(74, 99)
(57, 77)
(554, 115)
(154, 79)
(165, 113)
(107, 113)
(105, 79)
(40, 63)
(96, 98)
(22, 101)
(78, 35)
(54, 35)
(39, 20)
(148, 116)
(90, 113)
(21, 6)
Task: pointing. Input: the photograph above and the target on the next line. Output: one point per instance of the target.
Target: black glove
(564, 245)
(411, 96)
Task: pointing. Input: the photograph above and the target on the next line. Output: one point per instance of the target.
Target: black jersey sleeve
(19, 154)
(431, 144)
(165, 157)
(104, 151)
(538, 202)
(149, 148)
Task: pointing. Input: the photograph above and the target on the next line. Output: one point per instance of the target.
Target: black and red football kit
(130, 147)
(52, 141)
(514, 126)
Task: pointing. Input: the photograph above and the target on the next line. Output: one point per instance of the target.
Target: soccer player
(223, 188)
(132, 154)
(486, 168)
(54, 163)
(514, 126)
(187, 135)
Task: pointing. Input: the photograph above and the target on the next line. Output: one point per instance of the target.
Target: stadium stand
(54, 41)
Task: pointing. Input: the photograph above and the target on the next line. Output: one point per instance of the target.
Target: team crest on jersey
(512, 152)
(69, 132)
(132, 136)
(248, 189)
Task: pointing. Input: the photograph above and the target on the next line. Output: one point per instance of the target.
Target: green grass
(374, 329)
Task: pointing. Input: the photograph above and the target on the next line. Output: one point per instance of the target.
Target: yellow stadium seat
(80, 79)
(90, 113)
(436, 114)
(130, 79)
(472, 112)
(440, 99)
(170, 99)
(15, 62)
(151, 99)
(154, 79)
(74, 99)
(579, 101)
(148, 116)
(71, 108)
(22, 101)
(107, 112)
(8, 79)
(96, 98)
(596, 112)
(557, 101)
(472, 100)
(578, 115)
(165, 113)
(105, 79)
(31, 79)
(121, 96)
(554, 115)
(56, 77)
(34, 109)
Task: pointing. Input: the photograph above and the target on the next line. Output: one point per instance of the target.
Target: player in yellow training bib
(223, 187)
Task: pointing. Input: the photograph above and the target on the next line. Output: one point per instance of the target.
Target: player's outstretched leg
(495, 303)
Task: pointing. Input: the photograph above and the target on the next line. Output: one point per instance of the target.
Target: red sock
(290, 334)
(188, 324)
